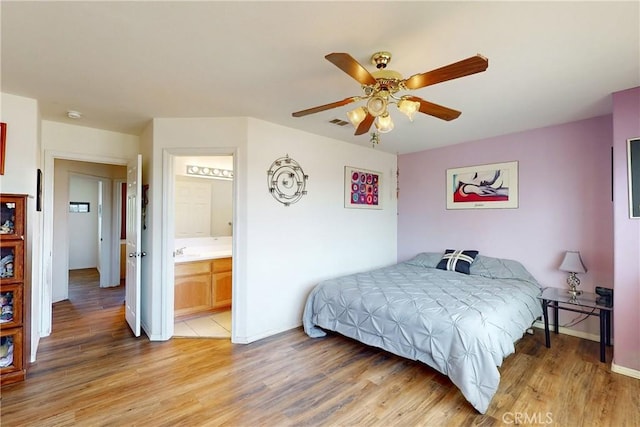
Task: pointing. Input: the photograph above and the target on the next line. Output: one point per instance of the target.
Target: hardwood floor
(92, 371)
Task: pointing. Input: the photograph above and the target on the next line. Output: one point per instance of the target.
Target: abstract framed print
(492, 186)
(362, 188)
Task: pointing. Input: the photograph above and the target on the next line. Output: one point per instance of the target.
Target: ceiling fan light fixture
(387, 74)
(356, 116)
(381, 88)
(377, 105)
(384, 123)
(408, 107)
(381, 59)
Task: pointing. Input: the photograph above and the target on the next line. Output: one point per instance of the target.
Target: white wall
(88, 143)
(290, 249)
(318, 230)
(279, 252)
(185, 137)
(22, 159)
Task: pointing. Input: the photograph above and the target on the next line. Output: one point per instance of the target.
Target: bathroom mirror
(203, 196)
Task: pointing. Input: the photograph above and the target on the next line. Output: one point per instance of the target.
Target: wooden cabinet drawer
(221, 264)
(196, 267)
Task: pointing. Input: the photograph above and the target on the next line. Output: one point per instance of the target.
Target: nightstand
(585, 303)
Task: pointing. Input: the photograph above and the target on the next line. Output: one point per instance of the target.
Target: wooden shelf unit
(14, 291)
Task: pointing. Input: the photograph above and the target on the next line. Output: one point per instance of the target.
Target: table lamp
(572, 263)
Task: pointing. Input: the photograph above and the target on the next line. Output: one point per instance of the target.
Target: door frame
(168, 231)
(46, 257)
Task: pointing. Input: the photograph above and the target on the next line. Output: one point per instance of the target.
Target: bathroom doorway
(203, 245)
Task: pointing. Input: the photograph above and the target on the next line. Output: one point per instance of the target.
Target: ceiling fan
(382, 86)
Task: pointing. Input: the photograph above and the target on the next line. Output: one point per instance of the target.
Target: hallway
(91, 314)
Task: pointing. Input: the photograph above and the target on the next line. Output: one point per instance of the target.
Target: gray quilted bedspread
(462, 325)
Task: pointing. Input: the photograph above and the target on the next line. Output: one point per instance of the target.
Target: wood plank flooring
(91, 371)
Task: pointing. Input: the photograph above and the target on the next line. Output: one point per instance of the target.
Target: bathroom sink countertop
(202, 248)
(206, 254)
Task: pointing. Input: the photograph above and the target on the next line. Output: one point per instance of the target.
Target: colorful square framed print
(362, 188)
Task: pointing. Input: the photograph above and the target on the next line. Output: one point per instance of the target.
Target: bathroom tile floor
(216, 325)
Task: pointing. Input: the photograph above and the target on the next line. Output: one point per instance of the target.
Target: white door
(133, 253)
(193, 207)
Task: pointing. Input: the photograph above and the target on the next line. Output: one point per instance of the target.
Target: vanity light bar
(208, 172)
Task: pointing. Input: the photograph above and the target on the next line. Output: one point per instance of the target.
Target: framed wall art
(3, 145)
(492, 186)
(39, 190)
(362, 188)
(633, 166)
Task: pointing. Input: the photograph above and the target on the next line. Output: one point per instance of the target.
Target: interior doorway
(66, 221)
(202, 241)
(175, 161)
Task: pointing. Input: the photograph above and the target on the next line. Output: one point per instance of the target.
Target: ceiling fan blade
(364, 125)
(435, 110)
(325, 107)
(346, 63)
(466, 67)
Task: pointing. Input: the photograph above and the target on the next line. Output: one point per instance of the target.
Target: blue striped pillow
(459, 261)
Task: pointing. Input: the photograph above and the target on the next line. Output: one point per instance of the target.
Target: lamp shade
(408, 107)
(377, 105)
(572, 263)
(384, 123)
(357, 116)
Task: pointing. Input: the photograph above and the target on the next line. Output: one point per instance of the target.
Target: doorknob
(132, 254)
(143, 254)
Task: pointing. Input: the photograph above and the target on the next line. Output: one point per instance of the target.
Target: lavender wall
(565, 201)
(626, 316)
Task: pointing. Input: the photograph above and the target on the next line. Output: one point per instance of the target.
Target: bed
(462, 325)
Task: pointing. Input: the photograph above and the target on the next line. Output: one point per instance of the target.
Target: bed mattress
(461, 325)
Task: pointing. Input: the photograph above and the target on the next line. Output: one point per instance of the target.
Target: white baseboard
(152, 337)
(247, 339)
(572, 332)
(625, 371)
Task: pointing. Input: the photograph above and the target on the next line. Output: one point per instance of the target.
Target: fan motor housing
(381, 59)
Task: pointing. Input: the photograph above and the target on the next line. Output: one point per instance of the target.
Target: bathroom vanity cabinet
(202, 286)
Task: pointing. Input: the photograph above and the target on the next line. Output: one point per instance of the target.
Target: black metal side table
(561, 299)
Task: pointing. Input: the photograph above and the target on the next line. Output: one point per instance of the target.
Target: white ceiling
(122, 63)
